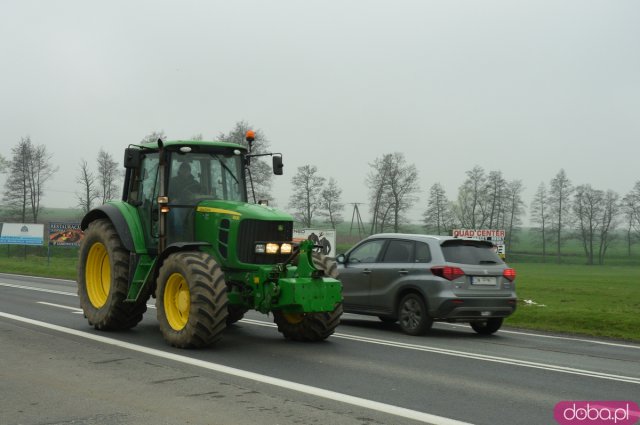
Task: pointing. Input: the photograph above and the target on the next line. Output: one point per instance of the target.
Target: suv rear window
(470, 252)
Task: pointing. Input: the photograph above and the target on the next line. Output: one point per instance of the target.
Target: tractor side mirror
(277, 165)
(132, 158)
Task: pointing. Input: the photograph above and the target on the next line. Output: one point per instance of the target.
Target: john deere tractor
(185, 233)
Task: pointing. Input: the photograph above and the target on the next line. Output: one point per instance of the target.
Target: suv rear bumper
(461, 309)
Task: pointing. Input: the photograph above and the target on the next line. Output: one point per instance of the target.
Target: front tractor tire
(103, 275)
(191, 300)
(311, 326)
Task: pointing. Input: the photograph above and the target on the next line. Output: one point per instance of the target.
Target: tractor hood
(240, 210)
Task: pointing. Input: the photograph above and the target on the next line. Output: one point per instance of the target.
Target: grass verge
(589, 300)
(62, 268)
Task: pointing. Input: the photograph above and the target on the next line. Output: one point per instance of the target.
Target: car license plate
(483, 280)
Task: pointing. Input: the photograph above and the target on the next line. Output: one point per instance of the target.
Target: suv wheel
(412, 315)
(487, 327)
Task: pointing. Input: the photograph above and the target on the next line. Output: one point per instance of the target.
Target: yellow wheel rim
(177, 301)
(98, 275)
(293, 318)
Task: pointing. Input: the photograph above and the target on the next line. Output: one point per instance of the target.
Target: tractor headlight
(286, 248)
(272, 248)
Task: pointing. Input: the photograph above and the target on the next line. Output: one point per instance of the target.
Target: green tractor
(185, 233)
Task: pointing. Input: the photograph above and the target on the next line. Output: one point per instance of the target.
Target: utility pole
(355, 216)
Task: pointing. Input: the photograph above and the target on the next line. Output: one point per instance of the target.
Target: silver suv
(418, 279)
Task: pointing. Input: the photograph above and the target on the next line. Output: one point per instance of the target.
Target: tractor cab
(168, 182)
(194, 177)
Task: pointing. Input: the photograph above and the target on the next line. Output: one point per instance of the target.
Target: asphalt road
(56, 369)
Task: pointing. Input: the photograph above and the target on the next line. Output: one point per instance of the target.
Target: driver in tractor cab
(181, 189)
(183, 184)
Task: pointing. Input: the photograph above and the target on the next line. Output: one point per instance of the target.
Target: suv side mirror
(132, 158)
(277, 165)
(341, 259)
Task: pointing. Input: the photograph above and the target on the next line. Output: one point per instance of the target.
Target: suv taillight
(449, 273)
(509, 274)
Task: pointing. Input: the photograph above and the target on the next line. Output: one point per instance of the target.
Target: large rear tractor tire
(103, 280)
(311, 326)
(191, 300)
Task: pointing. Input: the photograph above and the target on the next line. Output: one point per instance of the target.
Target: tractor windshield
(197, 176)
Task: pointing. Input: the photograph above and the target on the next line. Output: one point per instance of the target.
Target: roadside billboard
(21, 234)
(493, 235)
(65, 234)
(325, 239)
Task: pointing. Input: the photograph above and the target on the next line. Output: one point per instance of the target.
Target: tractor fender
(125, 221)
(172, 249)
(179, 247)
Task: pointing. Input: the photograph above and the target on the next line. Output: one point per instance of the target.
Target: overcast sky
(523, 87)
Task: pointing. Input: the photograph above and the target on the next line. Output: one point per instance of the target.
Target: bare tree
(307, 194)
(496, 194)
(587, 207)
(40, 170)
(560, 207)
(393, 184)
(330, 203)
(377, 181)
(89, 187)
(514, 208)
(471, 206)
(30, 168)
(438, 217)
(403, 185)
(108, 176)
(540, 215)
(610, 212)
(631, 210)
(16, 194)
(260, 173)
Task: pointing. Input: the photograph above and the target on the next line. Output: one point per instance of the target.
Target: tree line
(559, 210)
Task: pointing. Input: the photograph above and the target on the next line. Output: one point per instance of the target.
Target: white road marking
(64, 307)
(612, 344)
(9, 275)
(33, 288)
(455, 353)
(294, 386)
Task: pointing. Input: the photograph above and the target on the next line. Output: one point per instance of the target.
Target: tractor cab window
(195, 177)
(198, 176)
